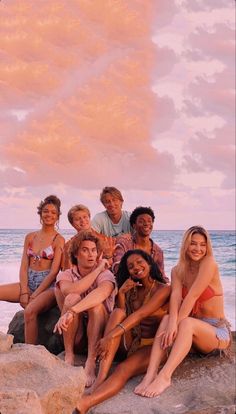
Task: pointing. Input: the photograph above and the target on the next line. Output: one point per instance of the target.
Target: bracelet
(72, 312)
(120, 325)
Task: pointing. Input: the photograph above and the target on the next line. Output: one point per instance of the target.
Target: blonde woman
(40, 263)
(196, 316)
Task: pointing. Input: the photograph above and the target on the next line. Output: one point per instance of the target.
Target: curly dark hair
(138, 211)
(123, 272)
(51, 199)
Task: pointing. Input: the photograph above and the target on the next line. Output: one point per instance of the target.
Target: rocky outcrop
(34, 381)
(46, 322)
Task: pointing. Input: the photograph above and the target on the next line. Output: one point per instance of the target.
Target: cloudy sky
(134, 94)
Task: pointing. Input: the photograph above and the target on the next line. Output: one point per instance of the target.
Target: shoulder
(157, 248)
(209, 261)
(126, 214)
(59, 240)
(100, 216)
(106, 275)
(29, 237)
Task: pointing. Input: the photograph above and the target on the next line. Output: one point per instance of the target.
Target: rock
(30, 374)
(47, 320)
(6, 342)
(19, 401)
(200, 386)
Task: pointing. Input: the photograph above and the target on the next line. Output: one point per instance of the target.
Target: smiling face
(87, 254)
(49, 214)
(137, 266)
(197, 248)
(143, 225)
(81, 220)
(113, 205)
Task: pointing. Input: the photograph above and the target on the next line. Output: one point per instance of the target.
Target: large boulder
(32, 380)
(46, 322)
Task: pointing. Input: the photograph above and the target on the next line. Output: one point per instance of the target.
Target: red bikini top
(208, 293)
(47, 253)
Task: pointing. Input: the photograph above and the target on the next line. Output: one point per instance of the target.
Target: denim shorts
(35, 278)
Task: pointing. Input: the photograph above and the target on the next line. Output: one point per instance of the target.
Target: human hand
(108, 247)
(103, 264)
(103, 346)
(128, 285)
(168, 336)
(24, 299)
(63, 323)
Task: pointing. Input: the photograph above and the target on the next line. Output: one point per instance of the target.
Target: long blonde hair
(183, 262)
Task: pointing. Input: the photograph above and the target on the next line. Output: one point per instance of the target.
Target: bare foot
(70, 358)
(90, 373)
(157, 386)
(140, 389)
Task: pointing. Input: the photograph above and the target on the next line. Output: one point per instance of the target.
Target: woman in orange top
(196, 314)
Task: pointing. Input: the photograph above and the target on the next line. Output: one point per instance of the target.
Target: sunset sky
(135, 94)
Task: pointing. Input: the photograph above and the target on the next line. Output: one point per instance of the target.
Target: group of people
(115, 299)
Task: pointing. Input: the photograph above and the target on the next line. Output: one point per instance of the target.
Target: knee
(30, 314)
(186, 324)
(71, 299)
(121, 371)
(119, 313)
(96, 310)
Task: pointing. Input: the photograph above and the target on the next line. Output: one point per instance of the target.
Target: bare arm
(94, 298)
(205, 275)
(56, 264)
(155, 302)
(84, 283)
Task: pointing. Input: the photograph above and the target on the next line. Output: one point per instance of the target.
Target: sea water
(11, 246)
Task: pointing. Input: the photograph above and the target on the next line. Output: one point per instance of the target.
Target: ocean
(11, 246)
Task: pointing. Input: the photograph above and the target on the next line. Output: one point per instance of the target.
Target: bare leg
(190, 330)
(136, 364)
(116, 316)
(156, 358)
(41, 303)
(97, 318)
(70, 334)
(10, 292)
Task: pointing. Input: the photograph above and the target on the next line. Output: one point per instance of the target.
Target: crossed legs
(190, 331)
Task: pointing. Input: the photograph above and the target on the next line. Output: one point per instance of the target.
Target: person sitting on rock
(142, 303)
(40, 263)
(80, 218)
(196, 316)
(141, 222)
(85, 293)
(113, 221)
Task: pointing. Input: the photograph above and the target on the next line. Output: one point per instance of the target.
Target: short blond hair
(74, 209)
(113, 191)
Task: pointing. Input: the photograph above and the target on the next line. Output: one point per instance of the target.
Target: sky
(133, 94)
